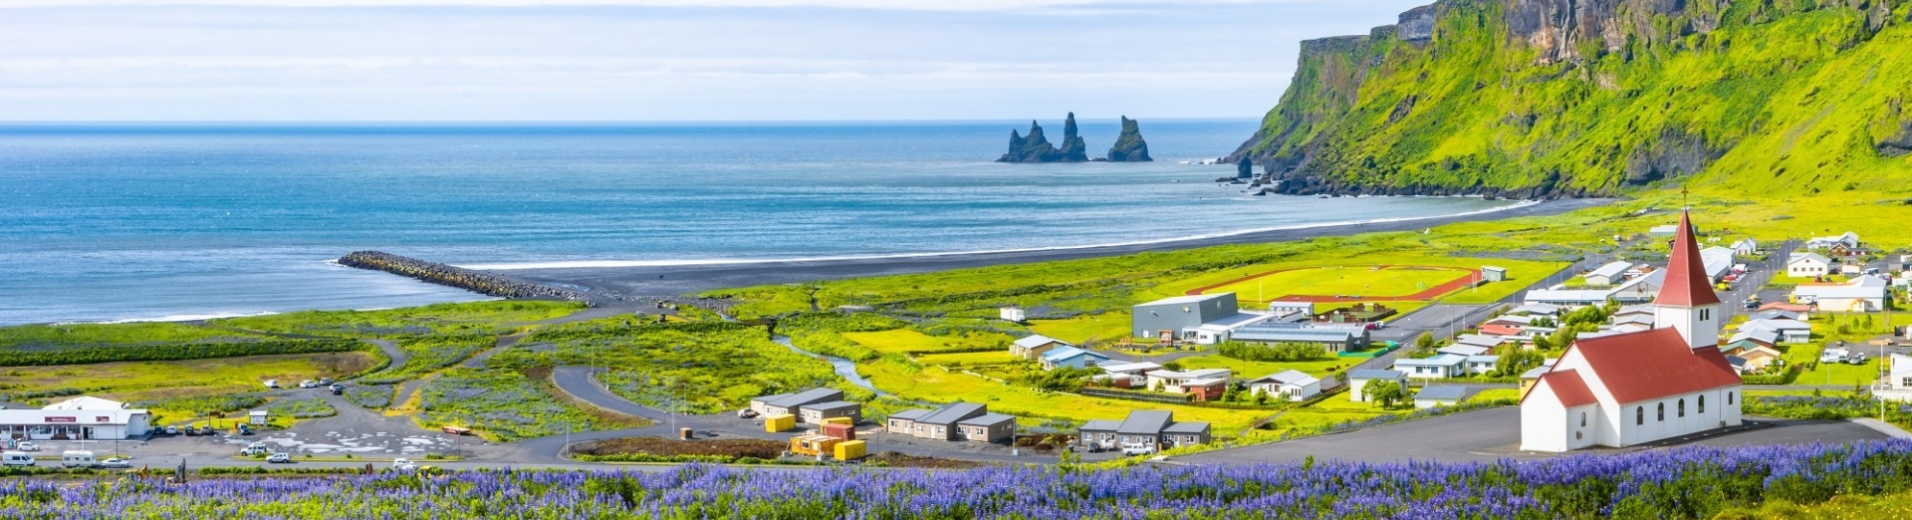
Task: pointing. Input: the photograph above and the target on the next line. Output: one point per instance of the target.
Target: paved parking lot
(1494, 434)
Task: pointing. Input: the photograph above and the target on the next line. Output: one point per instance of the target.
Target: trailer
(813, 445)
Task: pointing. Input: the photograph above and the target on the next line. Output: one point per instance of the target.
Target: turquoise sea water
(114, 222)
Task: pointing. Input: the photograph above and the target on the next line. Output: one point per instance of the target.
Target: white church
(1640, 387)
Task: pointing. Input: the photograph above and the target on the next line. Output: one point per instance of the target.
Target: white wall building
(1628, 389)
(1292, 385)
(77, 418)
(1862, 294)
(1807, 265)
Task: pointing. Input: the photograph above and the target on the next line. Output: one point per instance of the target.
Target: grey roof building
(789, 403)
(1154, 428)
(1181, 312)
(942, 422)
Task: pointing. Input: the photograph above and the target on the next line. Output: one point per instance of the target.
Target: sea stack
(1130, 147)
(1035, 147)
(1245, 169)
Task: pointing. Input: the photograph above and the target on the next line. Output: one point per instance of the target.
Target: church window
(1639, 415)
(1682, 408)
(1729, 399)
(1702, 404)
(1583, 419)
(1662, 413)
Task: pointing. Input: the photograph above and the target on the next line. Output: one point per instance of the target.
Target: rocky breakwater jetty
(475, 281)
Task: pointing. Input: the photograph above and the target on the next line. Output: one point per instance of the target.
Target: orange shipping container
(840, 431)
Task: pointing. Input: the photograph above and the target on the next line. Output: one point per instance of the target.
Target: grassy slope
(1796, 98)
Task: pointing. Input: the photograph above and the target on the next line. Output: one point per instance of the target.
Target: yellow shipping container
(779, 423)
(812, 445)
(839, 420)
(850, 450)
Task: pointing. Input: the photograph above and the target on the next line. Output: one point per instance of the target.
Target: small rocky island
(1035, 148)
(1130, 147)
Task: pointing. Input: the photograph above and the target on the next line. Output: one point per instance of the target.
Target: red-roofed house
(1629, 389)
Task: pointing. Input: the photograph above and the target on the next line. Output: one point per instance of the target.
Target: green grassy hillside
(1510, 97)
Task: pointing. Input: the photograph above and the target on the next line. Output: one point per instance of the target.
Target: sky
(656, 60)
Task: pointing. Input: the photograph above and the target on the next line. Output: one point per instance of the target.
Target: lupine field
(1680, 483)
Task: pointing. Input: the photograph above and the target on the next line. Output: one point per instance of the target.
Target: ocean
(183, 221)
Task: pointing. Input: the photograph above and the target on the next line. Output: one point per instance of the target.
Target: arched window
(1702, 404)
(1662, 413)
(1583, 419)
(1682, 408)
(1729, 399)
(1639, 415)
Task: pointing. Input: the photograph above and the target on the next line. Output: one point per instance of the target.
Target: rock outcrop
(1565, 98)
(1130, 147)
(1035, 147)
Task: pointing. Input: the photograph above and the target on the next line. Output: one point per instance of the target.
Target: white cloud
(906, 5)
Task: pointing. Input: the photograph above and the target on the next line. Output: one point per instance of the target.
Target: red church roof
(1567, 386)
(1654, 364)
(1686, 282)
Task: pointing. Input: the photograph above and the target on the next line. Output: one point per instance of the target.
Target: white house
(1628, 389)
(1437, 367)
(1292, 385)
(1358, 380)
(1862, 294)
(1071, 357)
(1790, 331)
(1464, 350)
(1746, 246)
(1848, 241)
(1807, 265)
(1482, 364)
(1175, 382)
(1127, 374)
(1897, 385)
(78, 418)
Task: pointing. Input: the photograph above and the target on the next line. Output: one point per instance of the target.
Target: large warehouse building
(1181, 314)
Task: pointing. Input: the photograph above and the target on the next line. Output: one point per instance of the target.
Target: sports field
(1346, 283)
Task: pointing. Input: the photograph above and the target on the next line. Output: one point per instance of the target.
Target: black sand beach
(607, 284)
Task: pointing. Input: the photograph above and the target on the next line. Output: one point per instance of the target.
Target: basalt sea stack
(1130, 147)
(1035, 148)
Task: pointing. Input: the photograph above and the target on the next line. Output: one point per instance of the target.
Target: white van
(16, 458)
(77, 459)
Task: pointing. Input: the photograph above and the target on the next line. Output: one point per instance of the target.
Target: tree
(1387, 392)
(1424, 344)
(1515, 360)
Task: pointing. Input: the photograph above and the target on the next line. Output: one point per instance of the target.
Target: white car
(404, 465)
(27, 446)
(272, 383)
(1138, 448)
(308, 384)
(116, 462)
(172, 430)
(280, 458)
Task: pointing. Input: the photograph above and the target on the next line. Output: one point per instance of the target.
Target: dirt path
(504, 342)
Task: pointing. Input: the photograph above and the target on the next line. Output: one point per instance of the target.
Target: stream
(844, 367)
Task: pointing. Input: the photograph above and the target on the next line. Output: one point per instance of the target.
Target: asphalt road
(1494, 434)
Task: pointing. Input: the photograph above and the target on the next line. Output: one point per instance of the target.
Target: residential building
(1753, 337)
(1753, 358)
(1292, 385)
(1222, 329)
(1536, 309)
(942, 422)
(1482, 364)
(1612, 273)
(1481, 340)
(1438, 367)
(1639, 289)
(1532, 375)
(1032, 347)
(1789, 331)
(1804, 311)
(1153, 428)
(1180, 315)
(1126, 374)
(789, 404)
(1841, 244)
(1568, 297)
(1898, 380)
(1464, 350)
(989, 427)
(1070, 357)
(1863, 294)
(1358, 380)
(815, 413)
(1205, 384)
(1746, 247)
(1443, 395)
(1808, 265)
(1629, 389)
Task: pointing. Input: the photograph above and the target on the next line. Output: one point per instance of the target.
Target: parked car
(1857, 358)
(272, 383)
(326, 381)
(404, 465)
(255, 449)
(1138, 448)
(280, 458)
(27, 446)
(457, 430)
(308, 384)
(16, 458)
(116, 462)
(746, 413)
(245, 429)
(172, 430)
(205, 429)
(191, 431)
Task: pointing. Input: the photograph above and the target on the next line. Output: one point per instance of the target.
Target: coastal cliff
(475, 281)
(1035, 148)
(1129, 147)
(1553, 98)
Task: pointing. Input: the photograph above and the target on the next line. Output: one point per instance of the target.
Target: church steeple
(1686, 300)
